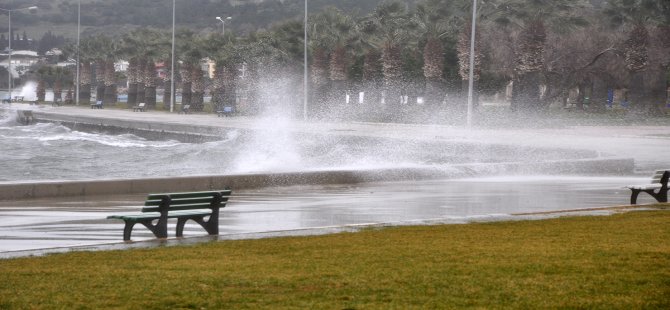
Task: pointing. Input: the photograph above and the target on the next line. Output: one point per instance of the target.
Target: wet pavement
(33, 227)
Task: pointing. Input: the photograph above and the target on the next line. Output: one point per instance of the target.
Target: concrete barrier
(25, 190)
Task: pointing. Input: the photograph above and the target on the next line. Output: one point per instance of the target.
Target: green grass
(609, 262)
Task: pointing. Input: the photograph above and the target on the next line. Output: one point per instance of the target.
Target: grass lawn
(620, 261)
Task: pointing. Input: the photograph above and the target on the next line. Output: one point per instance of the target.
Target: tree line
(543, 48)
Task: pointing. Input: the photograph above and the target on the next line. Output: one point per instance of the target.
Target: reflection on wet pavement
(70, 222)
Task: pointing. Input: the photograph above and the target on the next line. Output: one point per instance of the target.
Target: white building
(121, 66)
(21, 61)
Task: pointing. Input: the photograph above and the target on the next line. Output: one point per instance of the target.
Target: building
(21, 61)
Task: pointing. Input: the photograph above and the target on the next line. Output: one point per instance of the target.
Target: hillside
(119, 16)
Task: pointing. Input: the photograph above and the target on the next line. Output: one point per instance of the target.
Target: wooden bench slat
(156, 215)
(187, 195)
(645, 186)
(179, 207)
(182, 201)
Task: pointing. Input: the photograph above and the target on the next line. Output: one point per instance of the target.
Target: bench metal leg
(159, 229)
(180, 226)
(127, 230)
(211, 225)
(662, 196)
(633, 196)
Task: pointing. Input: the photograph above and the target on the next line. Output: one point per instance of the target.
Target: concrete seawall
(31, 190)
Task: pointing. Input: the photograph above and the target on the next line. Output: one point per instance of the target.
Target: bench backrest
(186, 107)
(186, 201)
(99, 102)
(141, 105)
(660, 176)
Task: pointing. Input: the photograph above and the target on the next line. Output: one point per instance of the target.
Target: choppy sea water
(50, 151)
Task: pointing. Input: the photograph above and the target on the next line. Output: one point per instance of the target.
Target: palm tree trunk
(198, 89)
(41, 90)
(338, 74)
(185, 73)
(68, 96)
(463, 48)
(132, 82)
(319, 78)
(218, 90)
(150, 84)
(371, 77)
(433, 59)
(229, 84)
(110, 83)
(637, 59)
(58, 90)
(85, 83)
(100, 80)
(529, 65)
(167, 82)
(140, 79)
(392, 70)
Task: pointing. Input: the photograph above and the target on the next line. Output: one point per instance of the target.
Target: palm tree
(110, 82)
(186, 40)
(157, 47)
(144, 47)
(131, 48)
(392, 24)
(190, 54)
(372, 66)
(636, 16)
(433, 18)
(44, 75)
(268, 60)
(531, 18)
(102, 48)
(61, 78)
(87, 53)
(226, 52)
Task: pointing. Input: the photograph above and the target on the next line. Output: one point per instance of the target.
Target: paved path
(32, 227)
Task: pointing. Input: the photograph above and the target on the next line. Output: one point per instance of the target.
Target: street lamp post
(9, 59)
(173, 91)
(471, 75)
(304, 107)
(78, 33)
(223, 23)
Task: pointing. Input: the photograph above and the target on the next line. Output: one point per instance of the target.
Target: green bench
(658, 188)
(194, 206)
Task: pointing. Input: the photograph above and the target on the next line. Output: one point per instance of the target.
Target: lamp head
(32, 9)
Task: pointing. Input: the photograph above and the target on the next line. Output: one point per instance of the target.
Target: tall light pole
(78, 33)
(304, 107)
(471, 75)
(223, 23)
(172, 90)
(9, 59)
